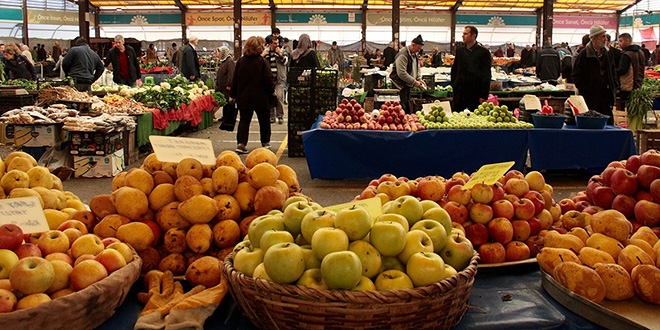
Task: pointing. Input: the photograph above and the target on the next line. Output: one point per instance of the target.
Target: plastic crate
(326, 78)
(295, 141)
(301, 113)
(298, 77)
(300, 95)
(15, 102)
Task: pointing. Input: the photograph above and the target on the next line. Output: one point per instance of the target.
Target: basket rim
(470, 271)
(555, 115)
(601, 117)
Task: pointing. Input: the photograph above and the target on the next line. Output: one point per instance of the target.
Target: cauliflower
(156, 88)
(165, 85)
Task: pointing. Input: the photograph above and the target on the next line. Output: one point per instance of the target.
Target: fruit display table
(335, 154)
(500, 299)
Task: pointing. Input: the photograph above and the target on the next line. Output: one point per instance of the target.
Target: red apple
(87, 273)
(513, 174)
(624, 182)
(515, 186)
(477, 233)
(511, 198)
(498, 191)
(60, 256)
(581, 205)
(646, 174)
(644, 195)
(521, 230)
(516, 250)
(624, 204)
(480, 213)
(109, 240)
(635, 225)
(75, 224)
(566, 205)
(452, 182)
(650, 157)
(431, 189)
(387, 177)
(594, 182)
(374, 183)
(580, 196)
(547, 199)
(633, 163)
(27, 250)
(11, 236)
(654, 190)
(546, 218)
(460, 175)
(524, 208)
(648, 213)
(603, 196)
(535, 243)
(111, 259)
(560, 230)
(537, 199)
(457, 194)
(607, 175)
(535, 226)
(593, 209)
(616, 164)
(482, 193)
(491, 253)
(457, 211)
(503, 208)
(500, 230)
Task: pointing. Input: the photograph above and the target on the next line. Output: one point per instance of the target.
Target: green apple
(327, 240)
(391, 263)
(416, 241)
(425, 268)
(247, 259)
(369, 257)
(293, 216)
(341, 270)
(300, 240)
(294, 199)
(315, 220)
(450, 271)
(398, 218)
(355, 221)
(428, 204)
(365, 284)
(284, 262)
(393, 280)
(260, 272)
(312, 278)
(274, 212)
(458, 251)
(7, 261)
(310, 259)
(263, 224)
(315, 206)
(273, 237)
(440, 215)
(436, 232)
(409, 207)
(240, 246)
(388, 237)
(387, 206)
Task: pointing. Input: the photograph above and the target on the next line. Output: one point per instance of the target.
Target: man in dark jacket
(526, 57)
(176, 55)
(470, 73)
(405, 74)
(615, 52)
(548, 64)
(647, 54)
(41, 53)
(190, 61)
(631, 67)
(593, 74)
(389, 53)
(125, 63)
(83, 65)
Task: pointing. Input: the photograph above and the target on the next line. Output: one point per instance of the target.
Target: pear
(26, 192)
(49, 197)
(19, 163)
(40, 177)
(590, 256)
(605, 243)
(199, 237)
(20, 154)
(199, 209)
(581, 280)
(646, 279)
(580, 233)
(108, 226)
(632, 256)
(617, 281)
(138, 234)
(262, 174)
(260, 155)
(550, 257)
(225, 179)
(647, 234)
(611, 223)
(557, 240)
(14, 179)
(2, 167)
(642, 244)
(55, 218)
(289, 176)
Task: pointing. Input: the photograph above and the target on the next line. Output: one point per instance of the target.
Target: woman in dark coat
(223, 82)
(252, 88)
(304, 56)
(16, 65)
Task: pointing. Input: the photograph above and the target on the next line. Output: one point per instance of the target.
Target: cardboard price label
(373, 206)
(25, 212)
(174, 149)
(488, 174)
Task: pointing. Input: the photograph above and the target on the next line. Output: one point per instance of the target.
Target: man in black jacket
(631, 67)
(389, 53)
(470, 73)
(548, 64)
(190, 61)
(125, 63)
(83, 65)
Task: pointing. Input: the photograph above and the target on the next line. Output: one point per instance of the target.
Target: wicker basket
(85, 309)
(273, 306)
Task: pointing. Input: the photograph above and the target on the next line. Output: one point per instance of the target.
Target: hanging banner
(11, 14)
(52, 17)
(496, 20)
(583, 22)
(409, 19)
(139, 19)
(318, 18)
(227, 18)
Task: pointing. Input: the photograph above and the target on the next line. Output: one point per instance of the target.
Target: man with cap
(470, 73)
(594, 73)
(405, 74)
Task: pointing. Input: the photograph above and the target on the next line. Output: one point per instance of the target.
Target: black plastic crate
(326, 78)
(300, 95)
(301, 113)
(295, 140)
(14, 102)
(429, 80)
(300, 77)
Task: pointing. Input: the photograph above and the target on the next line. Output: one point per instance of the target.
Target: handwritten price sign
(488, 174)
(373, 206)
(25, 212)
(174, 149)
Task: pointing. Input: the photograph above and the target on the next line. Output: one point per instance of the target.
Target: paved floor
(326, 192)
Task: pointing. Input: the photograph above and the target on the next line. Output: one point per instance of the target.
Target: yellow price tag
(488, 174)
(373, 206)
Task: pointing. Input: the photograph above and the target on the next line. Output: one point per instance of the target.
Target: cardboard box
(131, 150)
(95, 143)
(37, 135)
(6, 133)
(99, 166)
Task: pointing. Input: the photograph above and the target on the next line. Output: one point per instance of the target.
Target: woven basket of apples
(378, 267)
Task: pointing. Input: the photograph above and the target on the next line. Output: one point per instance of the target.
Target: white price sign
(25, 212)
(174, 149)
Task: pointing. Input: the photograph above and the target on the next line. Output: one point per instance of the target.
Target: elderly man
(470, 73)
(593, 73)
(190, 61)
(125, 63)
(405, 74)
(631, 67)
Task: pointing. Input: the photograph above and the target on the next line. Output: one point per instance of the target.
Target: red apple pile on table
(390, 117)
(37, 268)
(502, 220)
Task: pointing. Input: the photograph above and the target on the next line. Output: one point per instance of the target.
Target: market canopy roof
(494, 5)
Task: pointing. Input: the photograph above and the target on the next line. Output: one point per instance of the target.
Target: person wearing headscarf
(223, 82)
(304, 56)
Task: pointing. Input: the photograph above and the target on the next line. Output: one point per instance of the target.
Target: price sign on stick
(488, 174)
(174, 149)
(373, 206)
(25, 212)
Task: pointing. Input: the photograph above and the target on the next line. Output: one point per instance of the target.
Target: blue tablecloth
(335, 154)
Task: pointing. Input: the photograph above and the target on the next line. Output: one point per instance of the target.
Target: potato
(581, 279)
(174, 240)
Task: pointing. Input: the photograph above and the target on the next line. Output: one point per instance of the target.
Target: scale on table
(383, 95)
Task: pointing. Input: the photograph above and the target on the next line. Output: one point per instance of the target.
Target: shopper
(436, 57)
(389, 53)
(16, 65)
(303, 56)
(367, 57)
(470, 73)
(533, 55)
(252, 86)
(647, 54)
(151, 54)
(405, 74)
(2, 55)
(177, 53)
(83, 65)
(510, 50)
(190, 61)
(33, 52)
(655, 56)
(593, 74)
(548, 65)
(41, 53)
(566, 58)
(614, 51)
(125, 63)
(25, 51)
(223, 82)
(335, 56)
(630, 69)
(499, 52)
(57, 51)
(278, 59)
(526, 57)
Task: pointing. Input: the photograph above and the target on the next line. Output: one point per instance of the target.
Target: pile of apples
(175, 213)
(411, 244)
(604, 261)
(35, 269)
(351, 115)
(470, 120)
(502, 220)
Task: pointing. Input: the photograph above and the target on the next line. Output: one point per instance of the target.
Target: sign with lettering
(25, 212)
(174, 149)
(409, 19)
(319, 18)
(227, 18)
(584, 22)
(373, 206)
(52, 17)
(488, 174)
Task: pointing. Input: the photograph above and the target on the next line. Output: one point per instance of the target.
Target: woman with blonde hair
(16, 65)
(252, 87)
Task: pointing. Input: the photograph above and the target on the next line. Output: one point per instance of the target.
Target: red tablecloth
(652, 74)
(188, 112)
